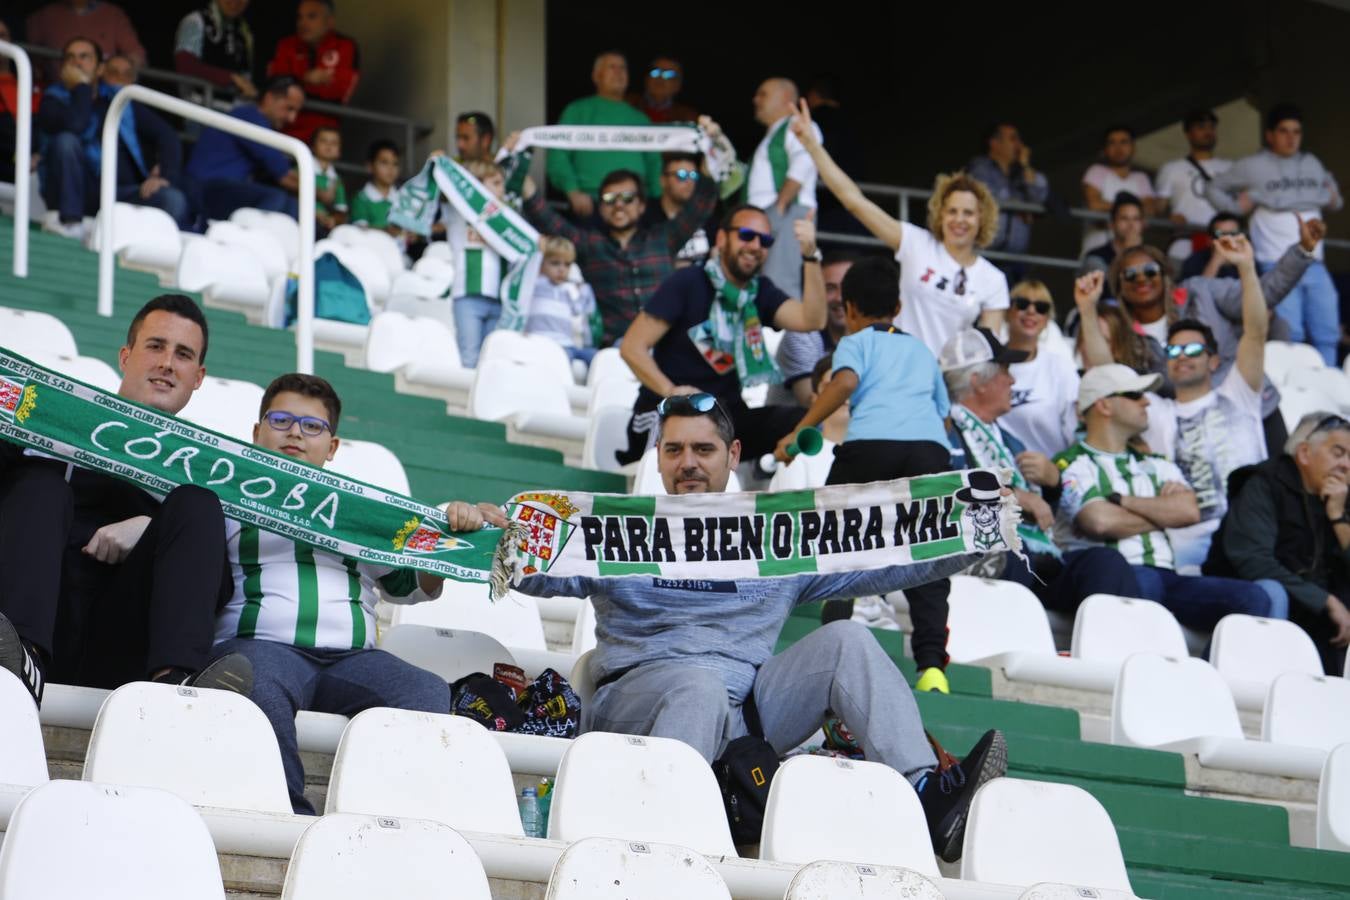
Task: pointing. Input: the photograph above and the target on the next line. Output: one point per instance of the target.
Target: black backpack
(743, 773)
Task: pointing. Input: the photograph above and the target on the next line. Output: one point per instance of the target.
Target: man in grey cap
(1113, 494)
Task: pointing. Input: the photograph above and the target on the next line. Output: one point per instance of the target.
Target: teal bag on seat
(338, 293)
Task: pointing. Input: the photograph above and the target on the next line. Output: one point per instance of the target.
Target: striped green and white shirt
(1088, 475)
(478, 268)
(294, 594)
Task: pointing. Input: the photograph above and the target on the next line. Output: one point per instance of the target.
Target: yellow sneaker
(933, 679)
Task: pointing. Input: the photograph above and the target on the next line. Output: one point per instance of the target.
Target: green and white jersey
(293, 594)
(478, 268)
(1088, 475)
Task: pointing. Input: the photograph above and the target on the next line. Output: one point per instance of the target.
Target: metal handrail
(304, 165)
(412, 129)
(23, 161)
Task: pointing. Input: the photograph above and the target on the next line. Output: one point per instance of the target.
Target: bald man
(782, 181)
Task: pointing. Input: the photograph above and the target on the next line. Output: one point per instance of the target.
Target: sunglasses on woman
(1190, 350)
(1022, 304)
(310, 426)
(1147, 270)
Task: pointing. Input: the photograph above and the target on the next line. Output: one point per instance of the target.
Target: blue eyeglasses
(666, 74)
(684, 174)
(310, 426)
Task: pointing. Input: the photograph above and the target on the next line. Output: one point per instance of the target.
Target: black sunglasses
(1332, 423)
(749, 234)
(1022, 304)
(1192, 350)
(1237, 232)
(1136, 396)
(686, 404)
(1147, 270)
(610, 198)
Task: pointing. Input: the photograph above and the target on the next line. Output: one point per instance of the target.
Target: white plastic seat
(1333, 801)
(647, 480)
(528, 349)
(1107, 629)
(638, 788)
(606, 433)
(81, 368)
(1307, 711)
(29, 333)
(282, 227)
(1022, 832)
(226, 406)
(362, 262)
(425, 766)
(396, 339)
(226, 275)
(608, 364)
(345, 856)
(380, 244)
(190, 741)
(372, 463)
(1326, 380)
(1250, 652)
(75, 839)
(826, 880)
(514, 619)
(1297, 402)
(503, 388)
(261, 244)
(1282, 357)
(143, 237)
(449, 653)
(1185, 705)
(885, 824)
(23, 758)
(583, 631)
(605, 869)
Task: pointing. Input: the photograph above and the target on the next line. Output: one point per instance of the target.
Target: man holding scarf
(702, 331)
(975, 367)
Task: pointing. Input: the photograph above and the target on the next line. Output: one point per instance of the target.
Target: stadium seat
(825, 880)
(538, 351)
(261, 244)
(605, 869)
(647, 479)
(992, 618)
(1297, 402)
(23, 758)
(284, 229)
(81, 368)
(1333, 383)
(212, 748)
(514, 620)
(583, 632)
(143, 237)
(1107, 629)
(29, 333)
(1184, 705)
(225, 406)
(362, 262)
(1333, 801)
(381, 245)
(1307, 711)
(344, 856)
(396, 339)
(608, 364)
(227, 276)
(1250, 651)
(610, 408)
(885, 824)
(581, 679)
(1022, 832)
(532, 399)
(638, 788)
(449, 653)
(372, 463)
(71, 839)
(1282, 357)
(424, 766)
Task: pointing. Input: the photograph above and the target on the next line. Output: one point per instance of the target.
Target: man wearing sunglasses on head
(683, 659)
(702, 331)
(1114, 495)
(680, 176)
(1287, 523)
(1211, 429)
(665, 77)
(623, 259)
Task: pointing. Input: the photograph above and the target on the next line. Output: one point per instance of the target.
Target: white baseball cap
(972, 346)
(1103, 381)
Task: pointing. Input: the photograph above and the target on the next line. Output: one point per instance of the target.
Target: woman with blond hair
(1044, 414)
(945, 285)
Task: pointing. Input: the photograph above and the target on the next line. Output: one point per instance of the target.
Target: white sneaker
(875, 612)
(76, 231)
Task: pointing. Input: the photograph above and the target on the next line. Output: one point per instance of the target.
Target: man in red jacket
(326, 62)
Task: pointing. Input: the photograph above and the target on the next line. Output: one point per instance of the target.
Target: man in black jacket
(150, 156)
(1287, 522)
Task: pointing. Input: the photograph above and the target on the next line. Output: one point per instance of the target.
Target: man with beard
(702, 332)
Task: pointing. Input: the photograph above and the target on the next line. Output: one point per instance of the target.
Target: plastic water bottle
(545, 794)
(529, 813)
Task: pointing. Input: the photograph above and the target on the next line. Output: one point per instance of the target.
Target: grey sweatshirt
(727, 626)
(1278, 187)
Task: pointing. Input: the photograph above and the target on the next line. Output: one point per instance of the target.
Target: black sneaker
(21, 658)
(231, 672)
(946, 794)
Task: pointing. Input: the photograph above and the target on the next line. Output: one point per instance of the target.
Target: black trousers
(103, 625)
(858, 462)
(758, 430)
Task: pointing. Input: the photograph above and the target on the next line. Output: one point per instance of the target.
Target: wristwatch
(1344, 519)
(814, 257)
(1113, 497)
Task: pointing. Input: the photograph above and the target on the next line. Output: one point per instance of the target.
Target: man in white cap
(1116, 495)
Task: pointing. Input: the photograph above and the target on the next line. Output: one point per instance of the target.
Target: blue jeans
(1062, 584)
(287, 679)
(1279, 597)
(1200, 601)
(1312, 310)
(221, 196)
(70, 185)
(475, 318)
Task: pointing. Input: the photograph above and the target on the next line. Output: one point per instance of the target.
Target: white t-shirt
(1157, 329)
(760, 188)
(1184, 189)
(1108, 184)
(931, 308)
(293, 594)
(1274, 231)
(1044, 412)
(1089, 475)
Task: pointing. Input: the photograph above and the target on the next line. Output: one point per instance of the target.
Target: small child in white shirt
(561, 309)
